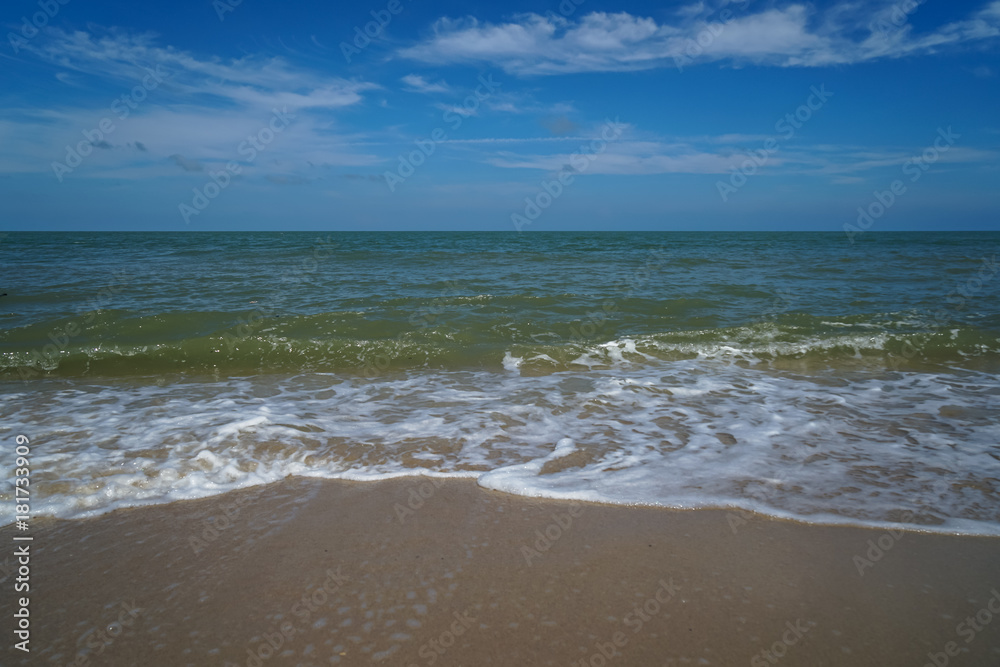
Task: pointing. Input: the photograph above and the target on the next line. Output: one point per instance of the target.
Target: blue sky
(580, 114)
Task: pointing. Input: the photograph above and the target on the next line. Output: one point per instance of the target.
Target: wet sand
(410, 572)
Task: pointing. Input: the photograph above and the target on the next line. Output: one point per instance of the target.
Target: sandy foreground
(419, 572)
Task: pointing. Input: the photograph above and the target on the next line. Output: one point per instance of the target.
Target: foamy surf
(822, 447)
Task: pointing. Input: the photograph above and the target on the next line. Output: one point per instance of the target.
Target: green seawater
(120, 304)
(794, 374)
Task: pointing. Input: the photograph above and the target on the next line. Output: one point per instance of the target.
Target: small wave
(824, 447)
(114, 343)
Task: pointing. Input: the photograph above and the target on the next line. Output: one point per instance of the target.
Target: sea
(806, 376)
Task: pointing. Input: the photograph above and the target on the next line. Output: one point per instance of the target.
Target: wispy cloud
(247, 82)
(418, 84)
(794, 35)
(197, 117)
(721, 155)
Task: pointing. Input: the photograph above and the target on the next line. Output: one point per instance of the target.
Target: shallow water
(794, 374)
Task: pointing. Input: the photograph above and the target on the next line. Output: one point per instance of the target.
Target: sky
(537, 115)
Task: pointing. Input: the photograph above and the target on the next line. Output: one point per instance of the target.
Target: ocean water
(794, 374)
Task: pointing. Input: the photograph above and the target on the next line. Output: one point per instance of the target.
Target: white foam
(828, 447)
(512, 363)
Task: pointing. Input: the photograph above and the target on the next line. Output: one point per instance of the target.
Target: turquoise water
(792, 373)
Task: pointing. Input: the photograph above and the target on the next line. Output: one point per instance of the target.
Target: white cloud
(707, 155)
(202, 109)
(625, 157)
(418, 84)
(794, 35)
(248, 82)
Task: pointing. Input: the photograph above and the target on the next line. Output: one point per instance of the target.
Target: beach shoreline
(425, 571)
